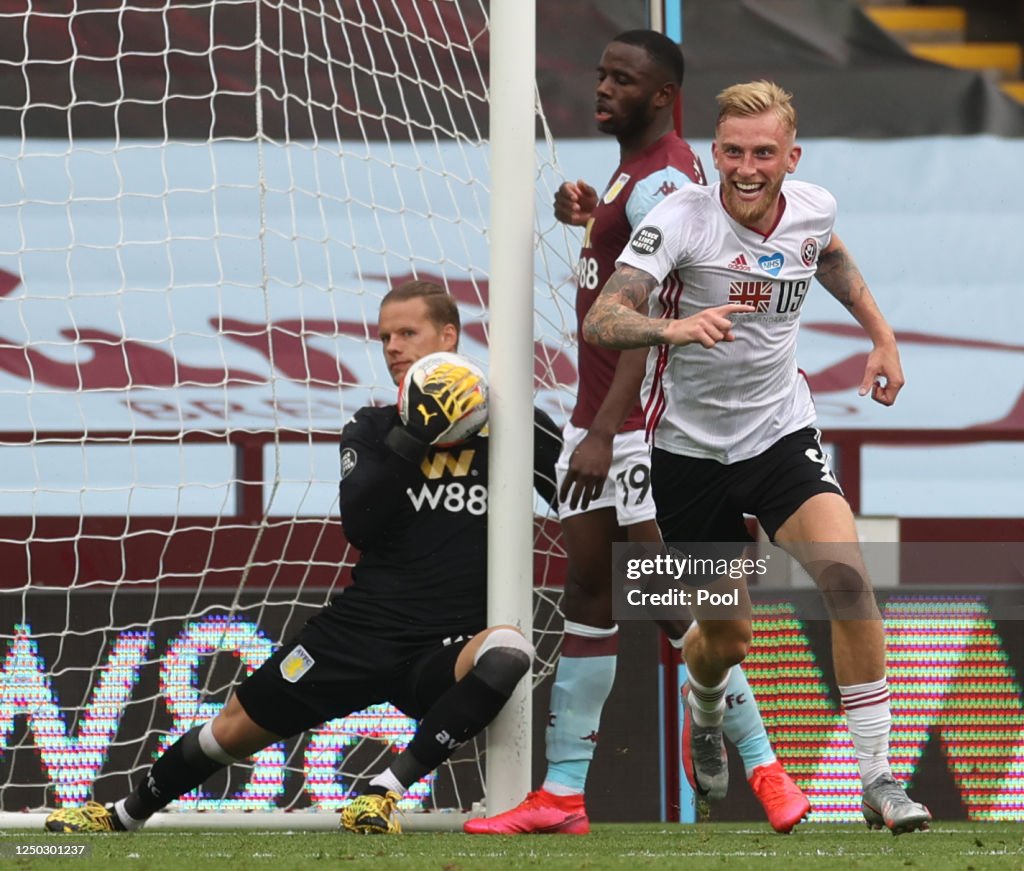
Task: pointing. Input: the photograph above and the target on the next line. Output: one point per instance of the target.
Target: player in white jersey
(744, 395)
(713, 281)
(604, 468)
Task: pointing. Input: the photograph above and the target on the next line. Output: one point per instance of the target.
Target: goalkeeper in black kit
(411, 629)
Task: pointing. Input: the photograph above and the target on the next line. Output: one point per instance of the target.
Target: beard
(750, 213)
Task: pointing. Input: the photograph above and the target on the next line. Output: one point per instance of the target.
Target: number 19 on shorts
(635, 480)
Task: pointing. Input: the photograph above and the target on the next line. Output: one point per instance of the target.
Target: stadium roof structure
(850, 78)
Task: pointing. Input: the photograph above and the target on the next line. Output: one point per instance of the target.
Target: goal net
(201, 206)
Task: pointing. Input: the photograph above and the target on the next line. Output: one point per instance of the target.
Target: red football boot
(540, 813)
(783, 801)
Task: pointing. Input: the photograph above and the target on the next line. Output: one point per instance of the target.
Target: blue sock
(583, 680)
(742, 724)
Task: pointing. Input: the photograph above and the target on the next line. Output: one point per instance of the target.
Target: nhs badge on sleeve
(296, 664)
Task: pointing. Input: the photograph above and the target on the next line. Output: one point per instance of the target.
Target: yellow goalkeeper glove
(448, 394)
(432, 410)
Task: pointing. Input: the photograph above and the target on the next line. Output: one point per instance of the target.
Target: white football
(472, 421)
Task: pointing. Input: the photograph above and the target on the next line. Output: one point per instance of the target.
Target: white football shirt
(733, 401)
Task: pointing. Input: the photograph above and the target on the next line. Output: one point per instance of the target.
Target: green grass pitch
(736, 847)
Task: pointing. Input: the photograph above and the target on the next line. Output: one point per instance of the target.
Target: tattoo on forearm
(840, 276)
(615, 321)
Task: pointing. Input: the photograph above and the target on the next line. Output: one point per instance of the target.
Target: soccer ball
(472, 421)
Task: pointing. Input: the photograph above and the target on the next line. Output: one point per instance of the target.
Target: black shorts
(704, 500)
(327, 672)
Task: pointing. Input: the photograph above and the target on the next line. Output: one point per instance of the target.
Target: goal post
(510, 529)
(201, 207)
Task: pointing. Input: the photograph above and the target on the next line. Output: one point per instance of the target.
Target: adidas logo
(740, 263)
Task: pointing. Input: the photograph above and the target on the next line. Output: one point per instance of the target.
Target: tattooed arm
(615, 319)
(839, 275)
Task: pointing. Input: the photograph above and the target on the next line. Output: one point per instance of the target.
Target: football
(420, 372)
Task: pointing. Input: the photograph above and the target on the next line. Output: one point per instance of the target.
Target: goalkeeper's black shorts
(319, 676)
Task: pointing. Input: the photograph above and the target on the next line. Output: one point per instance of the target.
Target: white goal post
(201, 206)
(509, 532)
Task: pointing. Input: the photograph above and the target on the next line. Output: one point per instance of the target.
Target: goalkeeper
(410, 630)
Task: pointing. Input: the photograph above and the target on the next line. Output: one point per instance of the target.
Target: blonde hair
(753, 98)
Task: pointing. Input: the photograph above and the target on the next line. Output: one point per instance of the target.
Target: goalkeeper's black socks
(183, 767)
(115, 819)
(461, 712)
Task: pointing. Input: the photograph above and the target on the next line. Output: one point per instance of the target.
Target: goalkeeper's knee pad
(503, 659)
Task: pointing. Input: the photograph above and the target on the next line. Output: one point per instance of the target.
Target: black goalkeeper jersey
(422, 530)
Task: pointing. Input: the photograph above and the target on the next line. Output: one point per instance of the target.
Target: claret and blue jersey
(636, 186)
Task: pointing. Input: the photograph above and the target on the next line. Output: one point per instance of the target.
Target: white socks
(707, 704)
(869, 718)
(388, 780)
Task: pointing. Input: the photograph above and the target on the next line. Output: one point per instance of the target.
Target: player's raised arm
(575, 202)
(614, 321)
(839, 275)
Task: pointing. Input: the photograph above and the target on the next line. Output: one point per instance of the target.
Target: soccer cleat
(704, 759)
(886, 804)
(372, 815)
(540, 813)
(783, 801)
(91, 817)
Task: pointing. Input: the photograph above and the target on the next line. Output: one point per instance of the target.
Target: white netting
(201, 205)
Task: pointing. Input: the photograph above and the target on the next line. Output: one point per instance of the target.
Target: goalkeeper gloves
(432, 410)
